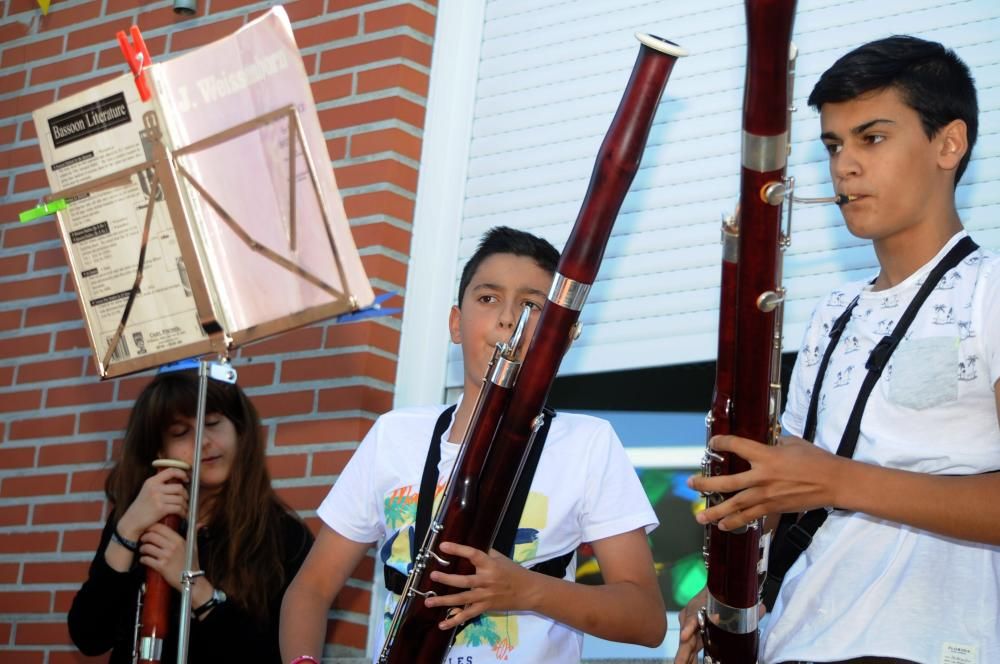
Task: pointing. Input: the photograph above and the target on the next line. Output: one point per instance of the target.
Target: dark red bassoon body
(500, 435)
(747, 387)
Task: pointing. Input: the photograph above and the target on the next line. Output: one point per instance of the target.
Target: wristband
(304, 658)
(131, 545)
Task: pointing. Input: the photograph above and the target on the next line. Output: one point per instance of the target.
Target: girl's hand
(162, 549)
(162, 494)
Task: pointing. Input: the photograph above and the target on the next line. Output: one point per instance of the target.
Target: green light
(687, 577)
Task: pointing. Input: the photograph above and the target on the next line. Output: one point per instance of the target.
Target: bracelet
(304, 658)
(131, 545)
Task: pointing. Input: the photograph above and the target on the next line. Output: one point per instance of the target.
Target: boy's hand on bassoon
(689, 642)
(495, 586)
(792, 476)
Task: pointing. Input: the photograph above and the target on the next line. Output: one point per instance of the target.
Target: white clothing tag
(958, 653)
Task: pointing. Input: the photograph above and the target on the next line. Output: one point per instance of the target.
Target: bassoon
(153, 610)
(509, 409)
(747, 395)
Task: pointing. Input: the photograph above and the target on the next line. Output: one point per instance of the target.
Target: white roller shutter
(550, 75)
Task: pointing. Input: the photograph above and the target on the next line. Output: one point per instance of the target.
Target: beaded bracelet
(131, 545)
(304, 658)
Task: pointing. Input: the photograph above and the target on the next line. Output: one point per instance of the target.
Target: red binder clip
(138, 59)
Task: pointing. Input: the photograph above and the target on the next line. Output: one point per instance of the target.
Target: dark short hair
(505, 240)
(931, 79)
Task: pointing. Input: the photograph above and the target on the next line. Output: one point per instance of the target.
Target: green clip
(42, 210)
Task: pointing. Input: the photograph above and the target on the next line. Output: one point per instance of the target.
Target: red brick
(353, 599)
(70, 367)
(45, 427)
(11, 30)
(100, 34)
(388, 203)
(346, 633)
(385, 268)
(12, 265)
(382, 235)
(6, 374)
(383, 171)
(192, 37)
(76, 395)
(61, 604)
(33, 51)
(18, 157)
(360, 397)
(33, 485)
(17, 457)
(10, 320)
(252, 375)
(28, 130)
(63, 17)
(400, 16)
(70, 339)
(14, 515)
(337, 148)
(8, 134)
(307, 432)
(42, 633)
(73, 453)
(54, 572)
(365, 333)
(25, 602)
(104, 420)
(75, 512)
(32, 233)
(12, 82)
(303, 497)
(282, 466)
(9, 572)
(374, 110)
(309, 61)
(31, 288)
(49, 258)
(12, 402)
(70, 89)
(391, 48)
(299, 10)
(284, 404)
(325, 33)
(25, 104)
(23, 656)
(81, 540)
(60, 312)
(302, 339)
(33, 542)
(339, 366)
(88, 481)
(386, 140)
(64, 67)
(334, 87)
(330, 463)
(30, 181)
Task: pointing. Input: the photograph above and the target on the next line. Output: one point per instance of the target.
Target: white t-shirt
(584, 489)
(867, 586)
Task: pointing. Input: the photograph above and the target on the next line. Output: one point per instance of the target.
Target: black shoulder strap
(795, 533)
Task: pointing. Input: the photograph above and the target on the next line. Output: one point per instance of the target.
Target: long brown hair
(245, 523)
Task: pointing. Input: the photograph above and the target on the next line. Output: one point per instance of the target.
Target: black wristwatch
(217, 598)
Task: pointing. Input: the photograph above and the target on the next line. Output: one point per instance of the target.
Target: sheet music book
(208, 216)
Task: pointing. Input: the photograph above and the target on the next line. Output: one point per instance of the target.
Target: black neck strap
(504, 541)
(795, 531)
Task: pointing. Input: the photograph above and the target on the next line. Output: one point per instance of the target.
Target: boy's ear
(954, 144)
(455, 324)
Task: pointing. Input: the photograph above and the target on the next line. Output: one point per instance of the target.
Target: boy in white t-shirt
(583, 489)
(907, 567)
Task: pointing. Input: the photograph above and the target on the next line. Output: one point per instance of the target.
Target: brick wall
(318, 389)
